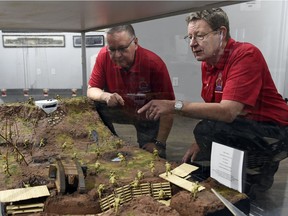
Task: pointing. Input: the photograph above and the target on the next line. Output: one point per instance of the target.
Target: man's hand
(191, 153)
(112, 99)
(156, 108)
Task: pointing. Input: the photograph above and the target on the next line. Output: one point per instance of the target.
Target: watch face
(178, 105)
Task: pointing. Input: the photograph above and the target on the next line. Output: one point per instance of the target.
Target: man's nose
(193, 42)
(117, 53)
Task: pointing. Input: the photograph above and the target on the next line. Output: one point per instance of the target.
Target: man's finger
(156, 117)
(144, 108)
(120, 100)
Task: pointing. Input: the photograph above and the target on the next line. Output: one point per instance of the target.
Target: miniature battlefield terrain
(82, 168)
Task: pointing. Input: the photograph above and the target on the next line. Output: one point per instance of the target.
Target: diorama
(58, 158)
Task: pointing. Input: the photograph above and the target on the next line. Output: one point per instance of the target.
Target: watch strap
(160, 144)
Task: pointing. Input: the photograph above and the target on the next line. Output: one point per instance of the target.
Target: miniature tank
(69, 176)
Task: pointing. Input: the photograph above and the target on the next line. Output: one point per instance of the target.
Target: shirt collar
(221, 63)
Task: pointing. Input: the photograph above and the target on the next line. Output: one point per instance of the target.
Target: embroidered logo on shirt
(144, 87)
(219, 82)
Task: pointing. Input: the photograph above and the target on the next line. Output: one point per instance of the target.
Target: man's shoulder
(103, 51)
(244, 46)
(148, 54)
(240, 49)
(102, 55)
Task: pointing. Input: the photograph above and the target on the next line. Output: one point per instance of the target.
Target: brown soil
(32, 140)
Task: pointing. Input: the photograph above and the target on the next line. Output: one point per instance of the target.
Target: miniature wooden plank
(70, 171)
(25, 211)
(107, 202)
(60, 181)
(13, 207)
(125, 189)
(184, 170)
(18, 194)
(183, 183)
(165, 186)
(143, 189)
(70, 167)
(81, 180)
(125, 192)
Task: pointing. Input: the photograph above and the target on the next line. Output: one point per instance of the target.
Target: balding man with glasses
(124, 78)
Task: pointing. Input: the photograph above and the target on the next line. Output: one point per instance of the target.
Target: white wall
(264, 23)
(51, 67)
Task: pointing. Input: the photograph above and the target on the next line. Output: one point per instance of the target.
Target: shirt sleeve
(97, 78)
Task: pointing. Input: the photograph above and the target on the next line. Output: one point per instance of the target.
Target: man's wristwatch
(160, 144)
(178, 105)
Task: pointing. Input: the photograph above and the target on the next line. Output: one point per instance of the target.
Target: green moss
(26, 125)
(122, 170)
(64, 138)
(90, 184)
(76, 102)
(14, 169)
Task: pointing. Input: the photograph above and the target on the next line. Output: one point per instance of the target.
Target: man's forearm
(95, 94)
(166, 122)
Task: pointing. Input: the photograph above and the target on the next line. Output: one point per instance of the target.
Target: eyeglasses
(120, 49)
(190, 38)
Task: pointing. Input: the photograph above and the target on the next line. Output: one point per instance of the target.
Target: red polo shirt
(242, 75)
(148, 76)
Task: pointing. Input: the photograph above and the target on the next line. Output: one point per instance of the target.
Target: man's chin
(199, 58)
(120, 64)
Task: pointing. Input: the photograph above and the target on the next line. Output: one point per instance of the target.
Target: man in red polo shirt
(124, 78)
(242, 105)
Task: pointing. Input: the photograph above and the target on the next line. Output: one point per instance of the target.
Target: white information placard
(227, 166)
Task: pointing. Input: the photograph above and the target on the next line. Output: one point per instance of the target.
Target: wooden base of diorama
(31, 141)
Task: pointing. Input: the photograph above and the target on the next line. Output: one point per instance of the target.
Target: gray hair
(127, 28)
(215, 18)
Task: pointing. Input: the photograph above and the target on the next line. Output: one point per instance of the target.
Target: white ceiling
(83, 16)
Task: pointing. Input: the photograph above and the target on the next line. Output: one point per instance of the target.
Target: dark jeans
(146, 130)
(262, 141)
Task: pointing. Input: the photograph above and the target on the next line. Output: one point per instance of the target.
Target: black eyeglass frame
(121, 49)
(198, 38)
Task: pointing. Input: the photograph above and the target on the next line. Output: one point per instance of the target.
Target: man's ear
(221, 35)
(136, 42)
(222, 32)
